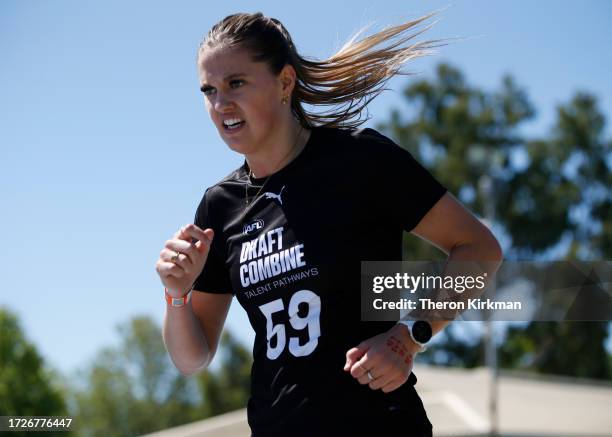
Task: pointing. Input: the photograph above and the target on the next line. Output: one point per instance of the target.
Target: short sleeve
(215, 275)
(403, 188)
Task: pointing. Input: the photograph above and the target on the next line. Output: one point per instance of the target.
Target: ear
(287, 78)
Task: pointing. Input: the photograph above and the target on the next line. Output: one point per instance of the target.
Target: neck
(289, 142)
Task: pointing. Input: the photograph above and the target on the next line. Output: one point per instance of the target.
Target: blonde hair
(348, 80)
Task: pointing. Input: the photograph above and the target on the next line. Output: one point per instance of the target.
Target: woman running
(286, 232)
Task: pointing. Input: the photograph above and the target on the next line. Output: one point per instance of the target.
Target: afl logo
(249, 228)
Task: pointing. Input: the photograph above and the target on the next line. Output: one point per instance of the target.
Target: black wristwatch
(420, 331)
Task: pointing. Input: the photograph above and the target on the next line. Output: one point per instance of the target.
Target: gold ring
(175, 257)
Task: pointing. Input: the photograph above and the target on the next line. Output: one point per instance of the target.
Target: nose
(222, 102)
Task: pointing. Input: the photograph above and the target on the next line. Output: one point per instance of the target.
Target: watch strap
(409, 324)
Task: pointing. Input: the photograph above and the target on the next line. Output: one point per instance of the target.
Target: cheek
(260, 117)
(208, 107)
(267, 111)
(263, 104)
(267, 115)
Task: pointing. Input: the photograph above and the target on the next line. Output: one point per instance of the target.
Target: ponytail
(347, 81)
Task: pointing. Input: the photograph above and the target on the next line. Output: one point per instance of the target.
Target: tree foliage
(134, 388)
(541, 194)
(228, 388)
(27, 386)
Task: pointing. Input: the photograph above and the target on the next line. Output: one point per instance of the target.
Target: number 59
(311, 319)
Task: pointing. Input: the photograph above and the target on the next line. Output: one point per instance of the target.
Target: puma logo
(270, 195)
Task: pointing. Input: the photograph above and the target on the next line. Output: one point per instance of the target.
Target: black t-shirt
(292, 259)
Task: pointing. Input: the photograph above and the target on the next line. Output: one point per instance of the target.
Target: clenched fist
(179, 273)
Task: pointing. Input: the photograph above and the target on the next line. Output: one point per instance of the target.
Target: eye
(233, 84)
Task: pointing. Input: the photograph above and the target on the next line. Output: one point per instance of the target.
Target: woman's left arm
(449, 226)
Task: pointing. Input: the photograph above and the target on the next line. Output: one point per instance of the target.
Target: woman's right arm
(190, 332)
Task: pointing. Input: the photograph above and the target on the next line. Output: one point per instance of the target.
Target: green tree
(228, 388)
(470, 140)
(570, 174)
(568, 348)
(135, 389)
(455, 351)
(27, 387)
(462, 134)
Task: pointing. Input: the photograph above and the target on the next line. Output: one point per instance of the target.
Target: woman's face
(236, 88)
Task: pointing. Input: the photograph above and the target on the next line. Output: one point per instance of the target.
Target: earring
(285, 100)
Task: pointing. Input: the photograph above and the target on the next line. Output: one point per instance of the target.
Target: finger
(182, 259)
(364, 379)
(356, 353)
(203, 245)
(196, 236)
(193, 231)
(394, 384)
(168, 255)
(179, 244)
(384, 378)
(367, 362)
(353, 355)
(170, 269)
(362, 366)
(182, 247)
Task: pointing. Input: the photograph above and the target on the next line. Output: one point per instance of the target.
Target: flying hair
(347, 81)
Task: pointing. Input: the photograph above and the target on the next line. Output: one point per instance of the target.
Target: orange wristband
(177, 301)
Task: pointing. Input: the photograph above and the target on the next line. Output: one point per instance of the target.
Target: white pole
(486, 185)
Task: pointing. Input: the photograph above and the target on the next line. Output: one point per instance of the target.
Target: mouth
(233, 125)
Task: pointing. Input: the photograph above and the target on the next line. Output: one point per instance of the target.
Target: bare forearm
(185, 340)
(489, 258)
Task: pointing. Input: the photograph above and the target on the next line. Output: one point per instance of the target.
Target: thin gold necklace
(247, 203)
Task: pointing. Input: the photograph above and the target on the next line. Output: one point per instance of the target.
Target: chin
(244, 146)
(237, 146)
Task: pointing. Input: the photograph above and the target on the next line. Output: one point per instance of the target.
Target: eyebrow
(226, 78)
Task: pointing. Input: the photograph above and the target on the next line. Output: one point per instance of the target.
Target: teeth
(231, 121)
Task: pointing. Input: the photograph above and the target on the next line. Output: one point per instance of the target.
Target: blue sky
(107, 147)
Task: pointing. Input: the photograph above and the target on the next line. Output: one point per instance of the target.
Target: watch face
(421, 330)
